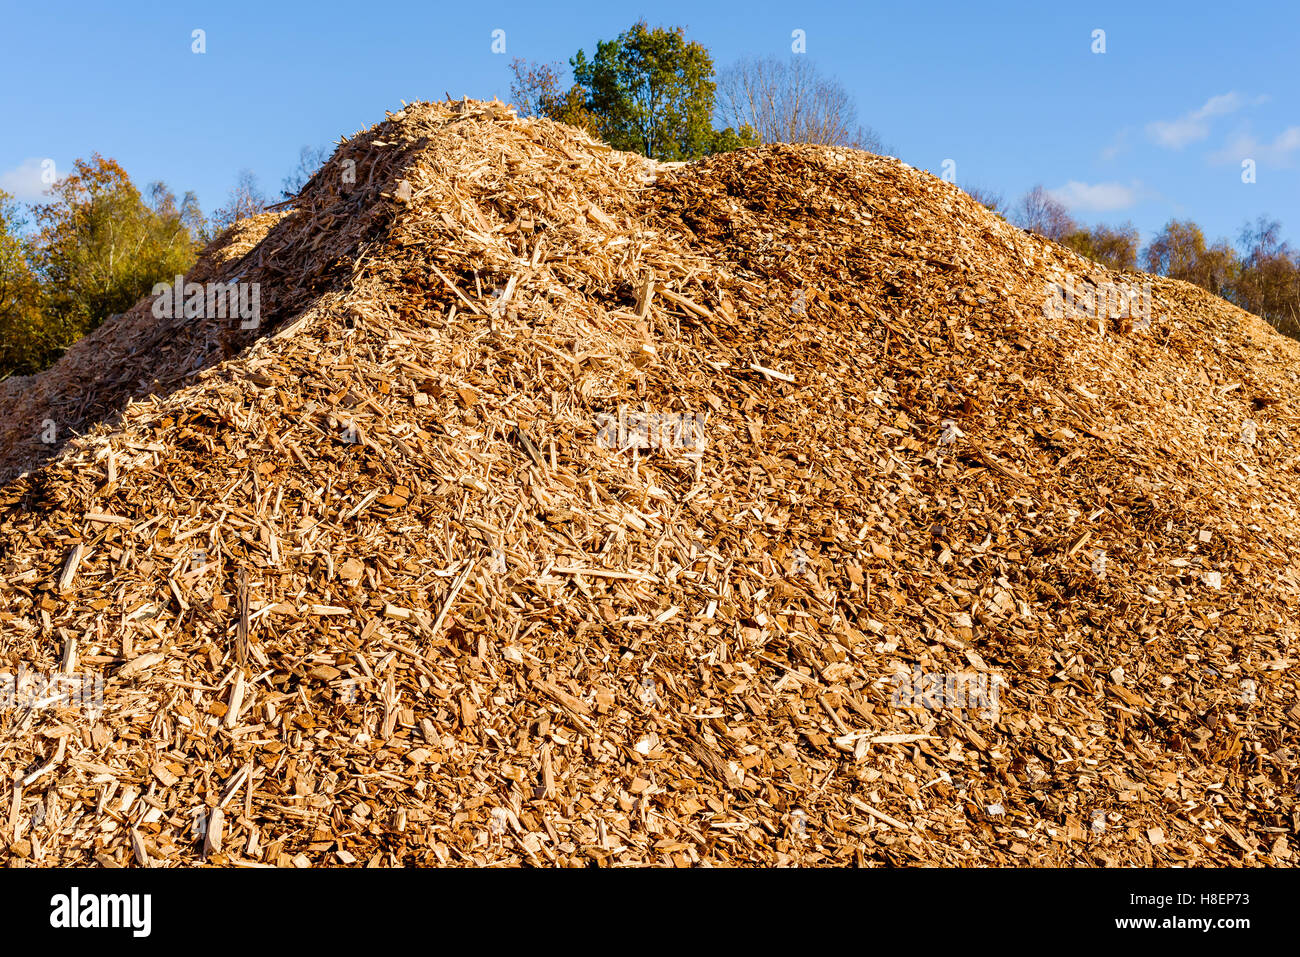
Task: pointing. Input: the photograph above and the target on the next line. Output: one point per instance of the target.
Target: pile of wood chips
(368, 585)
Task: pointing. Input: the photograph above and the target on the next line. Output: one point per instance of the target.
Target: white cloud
(1095, 197)
(23, 182)
(1281, 152)
(1194, 126)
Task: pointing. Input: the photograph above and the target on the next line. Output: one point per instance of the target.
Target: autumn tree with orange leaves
(19, 291)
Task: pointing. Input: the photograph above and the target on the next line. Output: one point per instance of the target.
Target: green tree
(724, 141)
(646, 91)
(101, 247)
(652, 92)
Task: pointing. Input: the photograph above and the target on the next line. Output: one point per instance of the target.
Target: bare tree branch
(788, 101)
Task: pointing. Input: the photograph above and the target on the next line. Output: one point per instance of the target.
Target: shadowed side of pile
(128, 357)
(373, 591)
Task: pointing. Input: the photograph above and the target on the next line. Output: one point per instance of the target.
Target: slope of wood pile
(376, 589)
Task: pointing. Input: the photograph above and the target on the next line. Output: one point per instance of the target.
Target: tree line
(1261, 273)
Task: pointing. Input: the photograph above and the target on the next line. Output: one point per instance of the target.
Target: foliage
(536, 91)
(1116, 247)
(1268, 281)
(99, 248)
(19, 294)
(650, 91)
(1264, 278)
(724, 141)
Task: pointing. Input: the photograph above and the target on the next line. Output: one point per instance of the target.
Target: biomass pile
(367, 588)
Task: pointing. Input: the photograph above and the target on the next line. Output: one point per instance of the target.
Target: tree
(646, 91)
(163, 204)
(1179, 251)
(309, 161)
(1218, 269)
(1114, 247)
(651, 91)
(788, 101)
(990, 200)
(19, 295)
(100, 248)
(536, 91)
(535, 87)
(1038, 212)
(1176, 250)
(1268, 282)
(1263, 239)
(245, 200)
(726, 140)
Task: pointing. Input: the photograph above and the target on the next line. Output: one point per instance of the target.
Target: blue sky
(1155, 127)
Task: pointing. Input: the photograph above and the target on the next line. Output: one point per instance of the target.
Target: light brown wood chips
(365, 588)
